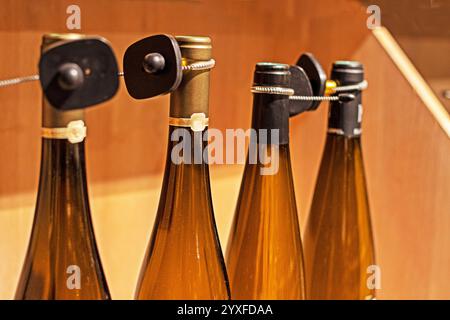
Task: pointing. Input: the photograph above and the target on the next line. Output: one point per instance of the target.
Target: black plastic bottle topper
(78, 74)
(307, 79)
(152, 66)
(315, 74)
(302, 87)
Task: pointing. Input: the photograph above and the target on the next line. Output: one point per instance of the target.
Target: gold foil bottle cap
(192, 96)
(51, 38)
(194, 42)
(194, 48)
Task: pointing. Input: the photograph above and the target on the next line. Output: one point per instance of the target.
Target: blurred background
(406, 124)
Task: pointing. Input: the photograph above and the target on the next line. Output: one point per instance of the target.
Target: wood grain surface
(405, 150)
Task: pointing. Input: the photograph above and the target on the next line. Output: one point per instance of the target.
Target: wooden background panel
(126, 138)
(406, 169)
(421, 29)
(121, 131)
(431, 56)
(407, 154)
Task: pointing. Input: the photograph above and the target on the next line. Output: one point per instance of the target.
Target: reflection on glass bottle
(62, 261)
(339, 250)
(264, 254)
(184, 259)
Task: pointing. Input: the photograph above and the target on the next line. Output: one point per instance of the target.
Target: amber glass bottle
(184, 259)
(264, 254)
(338, 238)
(62, 261)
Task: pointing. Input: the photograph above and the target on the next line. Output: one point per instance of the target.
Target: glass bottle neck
(338, 146)
(63, 170)
(63, 175)
(186, 147)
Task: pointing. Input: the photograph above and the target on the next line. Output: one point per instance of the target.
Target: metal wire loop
(200, 65)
